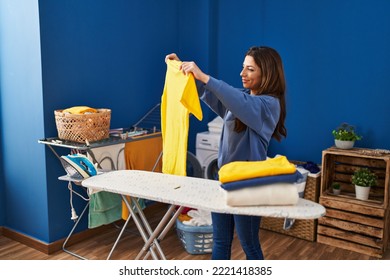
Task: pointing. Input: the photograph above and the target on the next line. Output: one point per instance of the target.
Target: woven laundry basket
(304, 229)
(79, 128)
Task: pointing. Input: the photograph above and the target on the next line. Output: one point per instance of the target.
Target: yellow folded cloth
(80, 110)
(243, 170)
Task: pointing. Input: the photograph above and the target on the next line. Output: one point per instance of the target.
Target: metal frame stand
(151, 238)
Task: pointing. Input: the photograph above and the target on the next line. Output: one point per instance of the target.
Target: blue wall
(25, 192)
(197, 42)
(2, 188)
(337, 62)
(102, 54)
(111, 54)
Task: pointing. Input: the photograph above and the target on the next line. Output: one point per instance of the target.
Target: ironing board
(184, 192)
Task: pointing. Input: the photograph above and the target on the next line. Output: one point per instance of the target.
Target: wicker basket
(196, 240)
(79, 128)
(304, 229)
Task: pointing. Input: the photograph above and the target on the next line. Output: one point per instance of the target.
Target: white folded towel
(273, 194)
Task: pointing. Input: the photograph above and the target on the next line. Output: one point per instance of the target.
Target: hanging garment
(110, 157)
(142, 155)
(106, 207)
(179, 99)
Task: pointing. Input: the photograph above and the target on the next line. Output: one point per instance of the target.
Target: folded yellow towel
(80, 110)
(243, 170)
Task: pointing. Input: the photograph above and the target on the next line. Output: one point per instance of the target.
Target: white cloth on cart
(106, 207)
(110, 158)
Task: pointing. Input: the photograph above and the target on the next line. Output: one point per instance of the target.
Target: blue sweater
(259, 113)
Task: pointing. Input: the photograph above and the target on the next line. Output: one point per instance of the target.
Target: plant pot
(362, 193)
(344, 144)
(336, 191)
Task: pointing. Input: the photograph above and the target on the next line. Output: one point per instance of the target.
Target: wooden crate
(304, 229)
(339, 165)
(349, 223)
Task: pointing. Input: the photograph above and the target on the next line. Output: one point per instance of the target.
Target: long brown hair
(272, 83)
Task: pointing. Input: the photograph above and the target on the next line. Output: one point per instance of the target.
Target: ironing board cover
(192, 192)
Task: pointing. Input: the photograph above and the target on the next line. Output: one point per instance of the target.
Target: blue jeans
(247, 228)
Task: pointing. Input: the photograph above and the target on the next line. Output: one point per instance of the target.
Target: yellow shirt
(243, 170)
(179, 99)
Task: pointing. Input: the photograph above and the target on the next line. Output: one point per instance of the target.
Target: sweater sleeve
(210, 99)
(252, 110)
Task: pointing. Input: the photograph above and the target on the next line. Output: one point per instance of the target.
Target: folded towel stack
(269, 182)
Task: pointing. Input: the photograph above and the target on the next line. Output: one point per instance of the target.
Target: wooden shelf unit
(349, 223)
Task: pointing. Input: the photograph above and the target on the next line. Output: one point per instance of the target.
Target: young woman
(252, 116)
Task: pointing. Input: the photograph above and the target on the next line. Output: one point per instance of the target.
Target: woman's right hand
(171, 56)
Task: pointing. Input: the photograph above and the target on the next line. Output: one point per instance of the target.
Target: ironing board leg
(148, 228)
(139, 226)
(71, 232)
(119, 236)
(168, 225)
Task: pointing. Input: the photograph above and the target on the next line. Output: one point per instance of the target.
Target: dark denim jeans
(247, 228)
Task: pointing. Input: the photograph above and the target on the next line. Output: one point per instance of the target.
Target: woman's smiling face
(250, 74)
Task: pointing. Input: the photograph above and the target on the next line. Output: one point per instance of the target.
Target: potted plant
(363, 179)
(345, 136)
(336, 188)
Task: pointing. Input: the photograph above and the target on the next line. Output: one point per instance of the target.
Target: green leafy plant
(346, 132)
(364, 177)
(336, 186)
